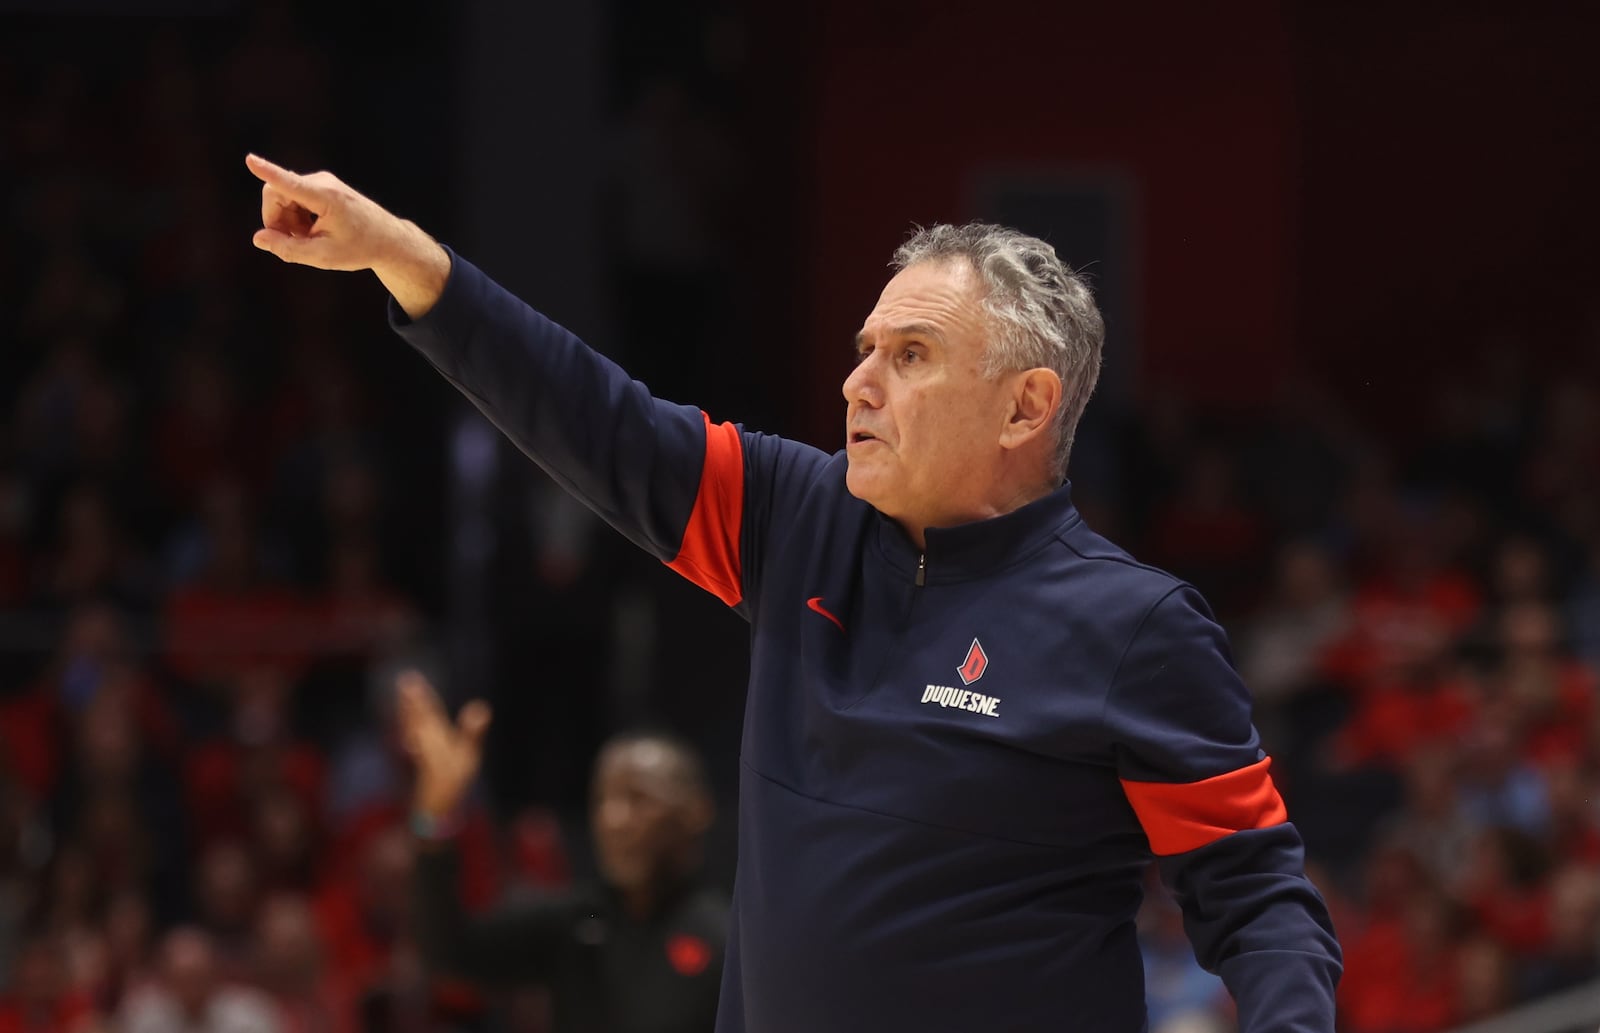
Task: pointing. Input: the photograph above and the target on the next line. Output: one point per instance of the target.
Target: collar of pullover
(968, 551)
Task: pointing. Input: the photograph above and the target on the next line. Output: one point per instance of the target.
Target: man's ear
(1035, 400)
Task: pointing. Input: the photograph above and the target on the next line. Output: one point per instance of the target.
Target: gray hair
(1041, 311)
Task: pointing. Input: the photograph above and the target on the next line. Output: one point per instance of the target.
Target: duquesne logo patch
(974, 665)
(971, 670)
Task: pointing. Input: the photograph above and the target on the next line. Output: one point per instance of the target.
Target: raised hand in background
(447, 753)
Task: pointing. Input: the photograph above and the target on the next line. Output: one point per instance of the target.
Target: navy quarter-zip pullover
(956, 761)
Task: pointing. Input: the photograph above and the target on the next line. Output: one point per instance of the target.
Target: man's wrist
(436, 826)
(417, 274)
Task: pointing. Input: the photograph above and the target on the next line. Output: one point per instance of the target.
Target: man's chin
(626, 876)
(858, 482)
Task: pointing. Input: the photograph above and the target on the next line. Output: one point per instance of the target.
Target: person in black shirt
(638, 951)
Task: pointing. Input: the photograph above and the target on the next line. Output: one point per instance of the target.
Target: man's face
(922, 422)
(190, 970)
(644, 817)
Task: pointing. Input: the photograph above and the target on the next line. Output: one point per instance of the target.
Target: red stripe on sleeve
(1186, 816)
(709, 555)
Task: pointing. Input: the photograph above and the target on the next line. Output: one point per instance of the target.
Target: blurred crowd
(222, 511)
(1417, 617)
(208, 578)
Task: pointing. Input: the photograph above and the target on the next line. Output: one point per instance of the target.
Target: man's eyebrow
(926, 330)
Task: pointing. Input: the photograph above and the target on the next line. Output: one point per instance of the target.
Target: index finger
(415, 691)
(291, 184)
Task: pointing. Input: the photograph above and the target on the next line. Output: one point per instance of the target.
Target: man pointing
(906, 863)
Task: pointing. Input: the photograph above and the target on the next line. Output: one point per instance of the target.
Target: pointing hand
(315, 219)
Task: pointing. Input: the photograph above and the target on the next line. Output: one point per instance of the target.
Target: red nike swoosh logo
(816, 604)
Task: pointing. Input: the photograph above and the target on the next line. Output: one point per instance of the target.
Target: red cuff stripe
(709, 555)
(1186, 816)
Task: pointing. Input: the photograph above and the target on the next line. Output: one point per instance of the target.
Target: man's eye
(910, 355)
(862, 353)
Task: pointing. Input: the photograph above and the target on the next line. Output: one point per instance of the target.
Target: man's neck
(1009, 502)
(642, 903)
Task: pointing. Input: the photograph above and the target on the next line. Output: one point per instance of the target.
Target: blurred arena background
(1347, 255)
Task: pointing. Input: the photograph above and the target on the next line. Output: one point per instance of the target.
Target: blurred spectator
(361, 613)
(235, 613)
(115, 799)
(1308, 610)
(1565, 446)
(287, 845)
(1505, 887)
(227, 776)
(369, 798)
(367, 913)
(69, 897)
(291, 967)
(1400, 974)
(1418, 708)
(91, 558)
(1432, 825)
(1207, 533)
(1498, 788)
(368, 772)
(1574, 816)
(1411, 604)
(49, 408)
(94, 657)
(640, 949)
(202, 436)
(1520, 572)
(1178, 992)
(1572, 954)
(324, 442)
(191, 996)
(1583, 605)
(1485, 979)
(129, 945)
(1280, 651)
(1549, 695)
(38, 998)
(227, 893)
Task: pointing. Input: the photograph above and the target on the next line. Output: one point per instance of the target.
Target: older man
(971, 721)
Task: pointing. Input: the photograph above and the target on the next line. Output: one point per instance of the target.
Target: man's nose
(615, 815)
(861, 386)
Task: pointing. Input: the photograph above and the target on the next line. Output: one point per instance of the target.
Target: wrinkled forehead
(944, 295)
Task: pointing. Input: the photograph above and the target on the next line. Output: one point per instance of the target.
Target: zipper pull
(922, 569)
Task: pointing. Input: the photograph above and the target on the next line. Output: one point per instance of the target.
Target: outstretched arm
(511, 943)
(317, 220)
(696, 494)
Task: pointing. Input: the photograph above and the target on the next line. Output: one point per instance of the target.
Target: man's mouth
(858, 436)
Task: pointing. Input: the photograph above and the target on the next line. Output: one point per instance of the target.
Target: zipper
(922, 569)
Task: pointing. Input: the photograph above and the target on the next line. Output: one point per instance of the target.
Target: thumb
(299, 250)
(475, 717)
